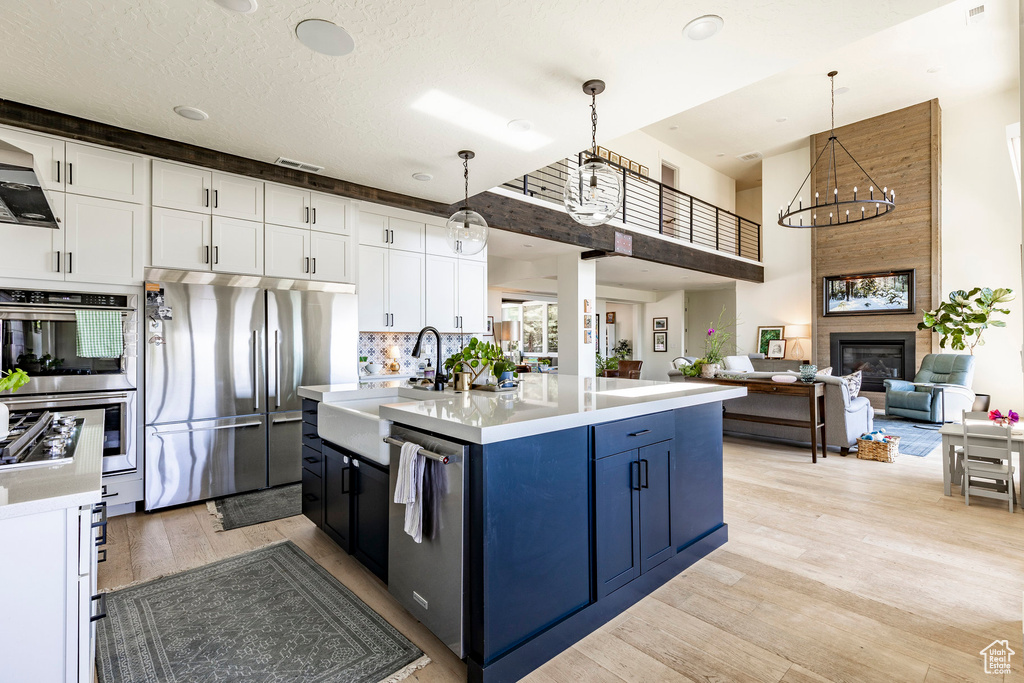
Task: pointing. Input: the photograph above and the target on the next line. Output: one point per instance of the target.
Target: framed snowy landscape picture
(870, 293)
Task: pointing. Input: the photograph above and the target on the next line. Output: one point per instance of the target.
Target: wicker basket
(884, 451)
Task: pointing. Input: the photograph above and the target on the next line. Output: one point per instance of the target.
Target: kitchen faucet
(439, 378)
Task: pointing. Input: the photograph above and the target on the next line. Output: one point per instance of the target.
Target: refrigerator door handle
(283, 420)
(255, 387)
(277, 368)
(240, 425)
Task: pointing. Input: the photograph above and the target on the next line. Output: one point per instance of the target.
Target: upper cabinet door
(332, 257)
(406, 235)
(473, 296)
(104, 173)
(181, 239)
(480, 256)
(329, 213)
(237, 197)
(373, 230)
(442, 294)
(47, 155)
(181, 187)
(287, 252)
(405, 290)
(237, 246)
(35, 252)
(103, 241)
(286, 206)
(372, 288)
(437, 241)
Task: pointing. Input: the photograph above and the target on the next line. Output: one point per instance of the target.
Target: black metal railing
(651, 206)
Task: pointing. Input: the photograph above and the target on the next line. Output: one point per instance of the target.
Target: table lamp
(394, 353)
(796, 333)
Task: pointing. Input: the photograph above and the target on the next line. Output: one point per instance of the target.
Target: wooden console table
(814, 392)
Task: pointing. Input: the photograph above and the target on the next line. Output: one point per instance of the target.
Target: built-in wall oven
(39, 334)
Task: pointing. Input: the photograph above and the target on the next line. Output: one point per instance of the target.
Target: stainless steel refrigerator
(223, 367)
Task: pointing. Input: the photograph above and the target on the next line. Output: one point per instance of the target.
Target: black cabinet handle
(310, 497)
(58, 170)
(307, 264)
(307, 214)
(102, 612)
(314, 258)
(641, 432)
(69, 174)
(69, 262)
(216, 254)
(58, 261)
(634, 481)
(647, 473)
(314, 215)
(215, 202)
(206, 196)
(345, 480)
(206, 254)
(312, 461)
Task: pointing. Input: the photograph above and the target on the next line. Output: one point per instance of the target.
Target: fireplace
(878, 355)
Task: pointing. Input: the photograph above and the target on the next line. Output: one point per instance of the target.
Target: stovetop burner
(37, 437)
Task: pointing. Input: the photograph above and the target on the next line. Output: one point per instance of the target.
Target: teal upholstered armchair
(943, 378)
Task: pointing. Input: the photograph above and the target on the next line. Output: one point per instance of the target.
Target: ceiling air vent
(975, 15)
(298, 165)
(750, 156)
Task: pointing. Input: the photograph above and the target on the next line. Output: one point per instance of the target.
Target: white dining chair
(987, 460)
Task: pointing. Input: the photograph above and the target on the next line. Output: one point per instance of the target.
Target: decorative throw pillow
(738, 364)
(853, 381)
(825, 371)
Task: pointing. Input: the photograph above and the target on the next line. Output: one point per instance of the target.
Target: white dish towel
(409, 489)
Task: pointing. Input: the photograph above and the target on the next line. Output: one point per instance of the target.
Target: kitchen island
(568, 500)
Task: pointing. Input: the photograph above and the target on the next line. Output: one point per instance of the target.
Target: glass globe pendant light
(467, 230)
(593, 194)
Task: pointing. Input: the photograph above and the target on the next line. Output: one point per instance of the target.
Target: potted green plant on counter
(477, 359)
(504, 370)
(963, 319)
(12, 381)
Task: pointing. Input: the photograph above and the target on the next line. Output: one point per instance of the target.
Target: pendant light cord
(593, 122)
(833, 81)
(465, 176)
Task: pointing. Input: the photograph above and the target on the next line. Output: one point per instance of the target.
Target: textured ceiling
(128, 62)
(884, 72)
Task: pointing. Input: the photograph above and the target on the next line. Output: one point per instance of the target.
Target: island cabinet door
(337, 504)
(617, 484)
(655, 507)
(370, 517)
(696, 473)
(312, 497)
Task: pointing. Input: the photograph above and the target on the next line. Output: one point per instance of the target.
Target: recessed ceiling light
(240, 6)
(422, 177)
(934, 69)
(528, 246)
(703, 27)
(720, 154)
(324, 37)
(519, 125)
(673, 127)
(191, 113)
(645, 270)
(781, 119)
(842, 91)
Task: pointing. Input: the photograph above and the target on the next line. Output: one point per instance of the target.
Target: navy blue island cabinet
(567, 529)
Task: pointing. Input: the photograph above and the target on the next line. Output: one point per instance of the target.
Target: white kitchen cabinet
(103, 240)
(35, 252)
(176, 186)
(287, 206)
(442, 292)
(237, 197)
(287, 252)
(377, 230)
(237, 246)
(329, 213)
(372, 289)
(104, 173)
(472, 289)
(405, 290)
(46, 151)
(436, 241)
(331, 257)
(181, 239)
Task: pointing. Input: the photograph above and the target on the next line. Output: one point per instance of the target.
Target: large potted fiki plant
(963, 319)
(12, 381)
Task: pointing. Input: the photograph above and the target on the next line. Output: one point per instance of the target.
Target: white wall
(981, 231)
(703, 308)
(657, 365)
(785, 296)
(748, 203)
(693, 177)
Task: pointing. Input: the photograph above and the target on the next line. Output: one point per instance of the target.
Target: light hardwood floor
(848, 570)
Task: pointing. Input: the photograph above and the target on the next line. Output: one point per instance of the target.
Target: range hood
(22, 200)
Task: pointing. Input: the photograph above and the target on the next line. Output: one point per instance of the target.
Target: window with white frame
(538, 326)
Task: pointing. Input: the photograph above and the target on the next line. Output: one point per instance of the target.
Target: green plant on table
(13, 380)
(623, 350)
(606, 364)
(714, 342)
(503, 365)
(964, 318)
(476, 358)
(693, 369)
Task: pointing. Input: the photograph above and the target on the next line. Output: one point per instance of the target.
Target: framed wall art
(869, 293)
(765, 334)
(609, 317)
(777, 348)
(660, 342)
(661, 324)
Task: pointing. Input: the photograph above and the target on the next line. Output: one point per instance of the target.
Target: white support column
(577, 281)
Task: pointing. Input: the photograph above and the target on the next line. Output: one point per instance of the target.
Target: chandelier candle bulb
(855, 193)
(872, 191)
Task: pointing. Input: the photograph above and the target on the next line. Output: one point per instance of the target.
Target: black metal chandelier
(836, 208)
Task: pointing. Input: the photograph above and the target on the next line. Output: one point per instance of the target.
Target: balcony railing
(653, 207)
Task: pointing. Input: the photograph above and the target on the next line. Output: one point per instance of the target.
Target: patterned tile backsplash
(375, 346)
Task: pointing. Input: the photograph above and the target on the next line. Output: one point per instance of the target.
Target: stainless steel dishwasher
(427, 578)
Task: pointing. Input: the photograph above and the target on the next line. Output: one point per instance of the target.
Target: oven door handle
(100, 399)
(60, 312)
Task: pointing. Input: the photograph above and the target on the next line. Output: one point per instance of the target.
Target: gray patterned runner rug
(268, 616)
(245, 509)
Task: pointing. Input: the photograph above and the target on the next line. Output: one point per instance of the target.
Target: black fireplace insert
(878, 355)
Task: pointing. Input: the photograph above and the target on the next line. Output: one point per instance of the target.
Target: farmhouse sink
(356, 425)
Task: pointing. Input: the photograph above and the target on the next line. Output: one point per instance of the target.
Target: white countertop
(30, 490)
(542, 403)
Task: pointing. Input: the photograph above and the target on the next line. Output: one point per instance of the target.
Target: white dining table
(953, 437)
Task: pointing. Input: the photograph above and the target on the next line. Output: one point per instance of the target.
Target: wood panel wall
(899, 150)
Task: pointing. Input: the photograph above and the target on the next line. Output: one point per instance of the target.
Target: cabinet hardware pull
(206, 254)
(345, 480)
(385, 235)
(206, 196)
(216, 254)
(641, 432)
(58, 261)
(255, 362)
(311, 461)
(215, 199)
(310, 497)
(102, 610)
(58, 171)
(277, 371)
(101, 555)
(110, 495)
(307, 213)
(205, 429)
(314, 215)
(456, 322)
(385, 320)
(307, 264)
(392, 320)
(314, 259)
(392, 236)
(647, 473)
(69, 262)
(69, 174)
(634, 480)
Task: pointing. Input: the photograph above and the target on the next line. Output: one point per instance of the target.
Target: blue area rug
(913, 441)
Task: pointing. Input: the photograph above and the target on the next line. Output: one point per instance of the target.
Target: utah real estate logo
(997, 657)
